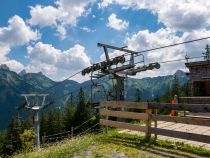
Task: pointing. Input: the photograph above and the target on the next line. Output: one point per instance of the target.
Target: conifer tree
(50, 124)
(82, 112)
(58, 121)
(12, 142)
(55, 122)
(69, 114)
(43, 125)
(137, 95)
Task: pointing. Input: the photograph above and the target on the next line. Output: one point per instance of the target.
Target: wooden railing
(117, 109)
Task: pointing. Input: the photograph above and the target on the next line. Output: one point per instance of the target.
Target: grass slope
(114, 144)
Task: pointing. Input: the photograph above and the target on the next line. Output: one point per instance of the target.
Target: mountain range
(12, 85)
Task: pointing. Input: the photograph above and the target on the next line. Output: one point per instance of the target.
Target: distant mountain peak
(40, 73)
(4, 67)
(180, 73)
(23, 72)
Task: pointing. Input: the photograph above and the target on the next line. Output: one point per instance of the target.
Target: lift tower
(35, 103)
(119, 67)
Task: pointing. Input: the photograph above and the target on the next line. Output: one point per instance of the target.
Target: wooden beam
(181, 135)
(123, 114)
(135, 105)
(185, 120)
(181, 106)
(122, 125)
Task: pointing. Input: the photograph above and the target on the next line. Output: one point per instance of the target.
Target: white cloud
(144, 40)
(43, 16)
(86, 29)
(64, 14)
(62, 33)
(14, 65)
(181, 15)
(17, 33)
(189, 17)
(117, 24)
(105, 3)
(71, 10)
(52, 61)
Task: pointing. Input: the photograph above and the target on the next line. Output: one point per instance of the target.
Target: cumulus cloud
(14, 65)
(17, 33)
(43, 16)
(144, 40)
(180, 15)
(46, 58)
(86, 29)
(105, 3)
(190, 18)
(64, 13)
(116, 23)
(61, 32)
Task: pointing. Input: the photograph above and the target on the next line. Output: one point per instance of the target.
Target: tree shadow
(147, 146)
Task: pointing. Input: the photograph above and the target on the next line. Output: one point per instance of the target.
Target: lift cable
(137, 53)
(171, 45)
(61, 82)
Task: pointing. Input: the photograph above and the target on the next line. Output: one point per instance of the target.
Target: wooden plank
(185, 120)
(181, 106)
(122, 125)
(123, 114)
(135, 105)
(181, 135)
(195, 100)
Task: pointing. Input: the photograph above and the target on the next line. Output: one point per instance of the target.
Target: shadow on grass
(151, 146)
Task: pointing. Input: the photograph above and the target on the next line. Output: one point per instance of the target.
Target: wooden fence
(117, 109)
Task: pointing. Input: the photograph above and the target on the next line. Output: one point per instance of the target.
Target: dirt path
(179, 127)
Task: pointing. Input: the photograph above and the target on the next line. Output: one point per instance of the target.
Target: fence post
(43, 138)
(155, 124)
(106, 128)
(72, 132)
(148, 123)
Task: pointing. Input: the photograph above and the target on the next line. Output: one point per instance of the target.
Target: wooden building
(199, 80)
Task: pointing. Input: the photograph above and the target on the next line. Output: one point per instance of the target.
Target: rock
(4, 67)
(23, 72)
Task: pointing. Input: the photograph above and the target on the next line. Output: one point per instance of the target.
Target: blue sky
(60, 37)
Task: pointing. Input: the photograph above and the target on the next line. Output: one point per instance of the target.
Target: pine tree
(82, 112)
(137, 95)
(55, 122)
(12, 142)
(50, 123)
(2, 141)
(157, 99)
(58, 121)
(69, 114)
(167, 96)
(43, 125)
(27, 124)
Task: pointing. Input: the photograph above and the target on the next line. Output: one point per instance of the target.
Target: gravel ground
(118, 151)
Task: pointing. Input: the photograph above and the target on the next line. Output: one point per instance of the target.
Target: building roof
(198, 63)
